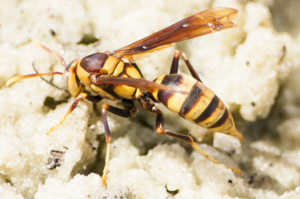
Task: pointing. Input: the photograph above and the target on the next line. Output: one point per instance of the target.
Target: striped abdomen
(200, 105)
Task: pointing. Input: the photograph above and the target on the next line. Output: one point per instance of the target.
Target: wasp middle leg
(129, 111)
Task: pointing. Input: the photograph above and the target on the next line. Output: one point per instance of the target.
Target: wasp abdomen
(198, 105)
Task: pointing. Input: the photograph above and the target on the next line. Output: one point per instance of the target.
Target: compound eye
(65, 79)
(71, 81)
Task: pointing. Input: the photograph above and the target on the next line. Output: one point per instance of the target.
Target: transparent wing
(205, 22)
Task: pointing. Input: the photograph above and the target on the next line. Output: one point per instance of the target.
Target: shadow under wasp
(115, 76)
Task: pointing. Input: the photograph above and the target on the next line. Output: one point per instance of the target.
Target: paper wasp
(114, 75)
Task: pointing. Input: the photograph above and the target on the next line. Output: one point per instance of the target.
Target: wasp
(115, 76)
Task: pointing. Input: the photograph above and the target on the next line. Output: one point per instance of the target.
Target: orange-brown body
(115, 76)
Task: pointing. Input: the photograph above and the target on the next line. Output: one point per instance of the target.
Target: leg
(174, 67)
(149, 105)
(73, 106)
(129, 111)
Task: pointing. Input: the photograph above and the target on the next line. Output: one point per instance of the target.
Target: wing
(201, 23)
(142, 84)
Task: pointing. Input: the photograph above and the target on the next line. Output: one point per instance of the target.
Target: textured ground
(254, 68)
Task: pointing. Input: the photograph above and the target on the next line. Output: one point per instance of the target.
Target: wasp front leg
(149, 105)
(129, 111)
(73, 106)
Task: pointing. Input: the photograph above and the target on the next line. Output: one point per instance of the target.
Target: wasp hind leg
(175, 62)
(129, 111)
(149, 105)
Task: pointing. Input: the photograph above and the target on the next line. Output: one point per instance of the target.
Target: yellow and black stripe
(104, 64)
(200, 105)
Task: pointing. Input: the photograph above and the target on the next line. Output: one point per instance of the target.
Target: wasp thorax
(89, 65)
(94, 62)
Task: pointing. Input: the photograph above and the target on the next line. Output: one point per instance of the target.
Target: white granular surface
(254, 68)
